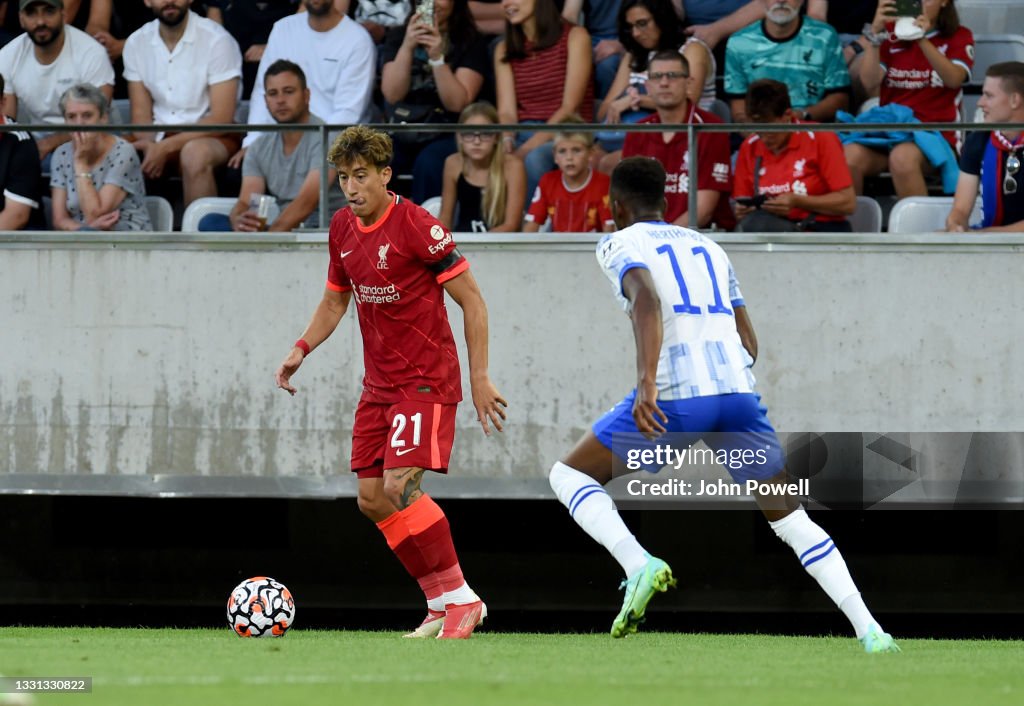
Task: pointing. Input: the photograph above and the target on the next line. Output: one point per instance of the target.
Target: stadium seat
(721, 109)
(925, 214)
(992, 49)
(991, 16)
(47, 206)
(161, 215)
(202, 207)
(120, 111)
(867, 217)
(432, 206)
(242, 112)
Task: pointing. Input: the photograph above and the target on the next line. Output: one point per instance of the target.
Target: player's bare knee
(376, 506)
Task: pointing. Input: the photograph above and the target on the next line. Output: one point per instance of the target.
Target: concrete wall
(138, 358)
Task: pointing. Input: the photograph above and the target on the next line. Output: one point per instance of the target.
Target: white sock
(821, 559)
(593, 510)
(436, 604)
(460, 596)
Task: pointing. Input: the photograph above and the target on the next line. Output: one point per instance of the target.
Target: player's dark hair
(639, 183)
(1, 84)
(283, 66)
(1009, 73)
(767, 100)
(361, 143)
(549, 21)
(948, 20)
(671, 55)
(665, 18)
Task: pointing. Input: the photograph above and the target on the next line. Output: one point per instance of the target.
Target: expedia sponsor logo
(366, 294)
(441, 245)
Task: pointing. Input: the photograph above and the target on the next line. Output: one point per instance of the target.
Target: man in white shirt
(183, 69)
(45, 61)
(338, 57)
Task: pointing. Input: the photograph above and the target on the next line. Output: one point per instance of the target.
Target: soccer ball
(261, 607)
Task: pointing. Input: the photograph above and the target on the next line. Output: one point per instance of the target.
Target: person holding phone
(789, 181)
(925, 74)
(433, 68)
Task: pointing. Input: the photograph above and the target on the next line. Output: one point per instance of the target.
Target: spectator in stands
(285, 165)
(801, 51)
(376, 16)
(432, 70)
(924, 75)
(543, 72)
(667, 77)
(338, 58)
(40, 65)
(646, 27)
(600, 19)
(789, 181)
(991, 161)
(110, 24)
(711, 21)
(574, 197)
(848, 19)
(484, 188)
(182, 69)
(20, 179)
(77, 13)
(96, 182)
(250, 24)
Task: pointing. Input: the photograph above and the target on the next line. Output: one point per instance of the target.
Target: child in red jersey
(574, 196)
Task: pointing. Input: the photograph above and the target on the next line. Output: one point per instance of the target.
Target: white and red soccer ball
(261, 607)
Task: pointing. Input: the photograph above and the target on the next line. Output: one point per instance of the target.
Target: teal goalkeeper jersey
(810, 63)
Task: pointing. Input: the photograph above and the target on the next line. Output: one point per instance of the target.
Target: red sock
(428, 528)
(402, 544)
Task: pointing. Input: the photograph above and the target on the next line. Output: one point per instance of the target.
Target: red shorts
(407, 434)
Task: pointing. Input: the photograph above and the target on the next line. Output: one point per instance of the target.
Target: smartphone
(908, 8)
(752, 201)
(425, 9)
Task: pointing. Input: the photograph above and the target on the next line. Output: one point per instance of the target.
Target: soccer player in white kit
(695, 346)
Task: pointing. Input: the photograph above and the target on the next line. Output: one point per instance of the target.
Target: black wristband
(857, 48)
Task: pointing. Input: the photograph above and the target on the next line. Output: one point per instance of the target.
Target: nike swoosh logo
(346, 254)
(405, 451)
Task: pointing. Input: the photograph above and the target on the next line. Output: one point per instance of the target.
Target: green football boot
(876, 640)
(656, 576)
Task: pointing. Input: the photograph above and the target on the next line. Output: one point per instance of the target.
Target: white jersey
(701, 353)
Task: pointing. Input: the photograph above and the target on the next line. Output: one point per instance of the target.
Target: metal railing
(692, 130)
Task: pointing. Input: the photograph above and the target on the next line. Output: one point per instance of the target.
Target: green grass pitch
(195, 667)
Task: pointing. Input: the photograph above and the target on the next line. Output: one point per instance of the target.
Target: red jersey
(810, 163)
(395, 269)
(911, 81)
(581, 210)
(713, 158)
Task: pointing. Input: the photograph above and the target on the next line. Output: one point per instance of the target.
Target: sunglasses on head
(1010, 180)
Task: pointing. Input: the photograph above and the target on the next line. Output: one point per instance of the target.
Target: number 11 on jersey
(718, 307)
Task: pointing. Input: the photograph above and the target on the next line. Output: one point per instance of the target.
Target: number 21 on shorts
(399, 425)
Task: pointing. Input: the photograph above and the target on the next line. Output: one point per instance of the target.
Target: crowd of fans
(524, 62)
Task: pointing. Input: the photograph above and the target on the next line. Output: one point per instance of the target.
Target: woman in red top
(923, 74)
(543, 72)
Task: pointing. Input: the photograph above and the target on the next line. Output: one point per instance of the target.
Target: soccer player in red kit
(396, 262)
